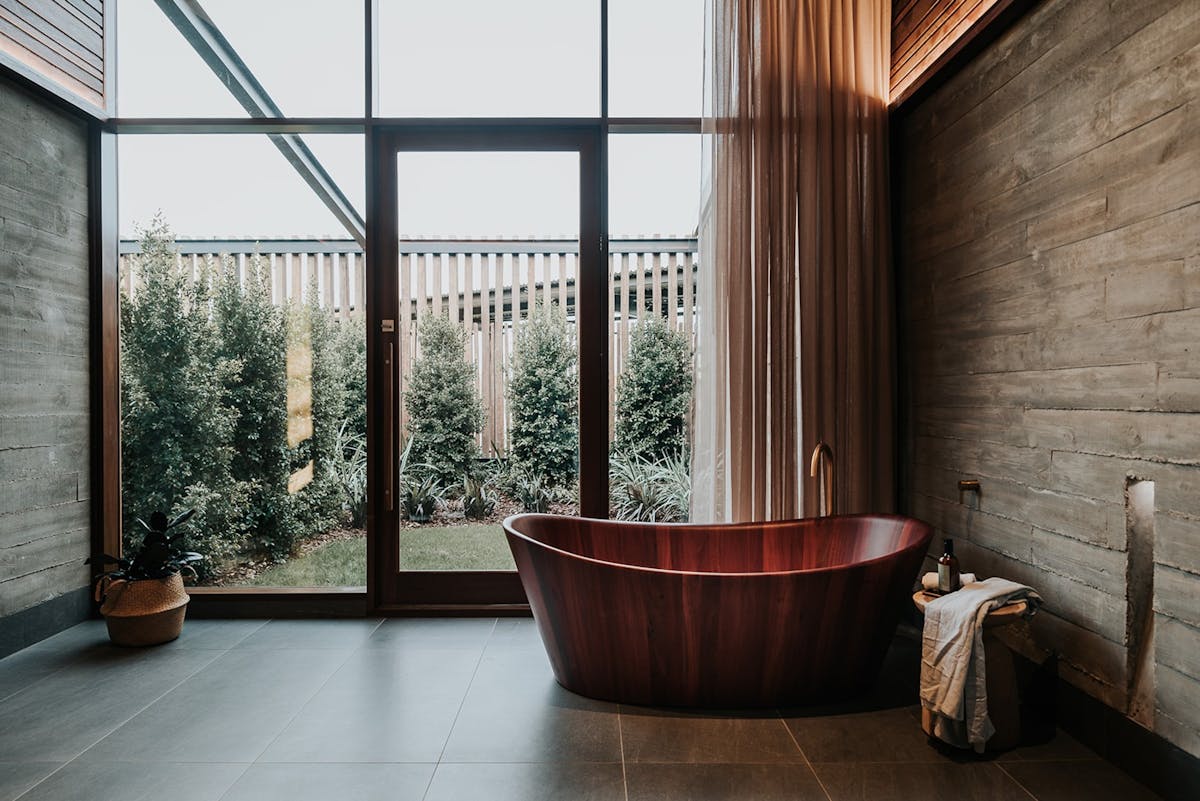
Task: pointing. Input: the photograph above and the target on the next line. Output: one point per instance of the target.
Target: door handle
(389, 430)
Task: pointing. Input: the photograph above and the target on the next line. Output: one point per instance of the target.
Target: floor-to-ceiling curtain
(795, 300)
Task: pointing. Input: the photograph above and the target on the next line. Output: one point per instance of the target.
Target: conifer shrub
(177, 420)
(444, 411)
(543, 400)
(654, 394)
(252, 332)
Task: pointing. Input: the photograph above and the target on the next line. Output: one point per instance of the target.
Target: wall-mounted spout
(821, 468)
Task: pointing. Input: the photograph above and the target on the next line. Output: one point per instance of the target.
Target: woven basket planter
(143, 612)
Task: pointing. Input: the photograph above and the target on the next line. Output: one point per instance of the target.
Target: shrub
(252, 332)
(543, 399)
(352, 356)
(225, 396)
(177, 422)
(658, 491)
(444, 412)
(654, 393)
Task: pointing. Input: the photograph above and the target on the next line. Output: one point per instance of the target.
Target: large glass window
(306, 56)
(244, 278)
(655, 57)
(480, 58)
(654, 202)
(243, 366)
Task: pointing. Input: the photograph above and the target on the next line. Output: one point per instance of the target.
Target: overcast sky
(444, 58)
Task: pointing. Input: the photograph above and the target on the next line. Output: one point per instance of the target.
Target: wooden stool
(1003, 706)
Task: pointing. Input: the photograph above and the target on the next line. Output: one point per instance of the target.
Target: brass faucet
(822, 457)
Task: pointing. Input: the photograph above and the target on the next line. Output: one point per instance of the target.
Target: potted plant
(143, 600)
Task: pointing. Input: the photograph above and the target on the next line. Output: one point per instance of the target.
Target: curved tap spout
(821, 465)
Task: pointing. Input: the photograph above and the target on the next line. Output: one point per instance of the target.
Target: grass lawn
(343, 563)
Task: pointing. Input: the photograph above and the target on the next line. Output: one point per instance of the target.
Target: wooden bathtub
(718, 616)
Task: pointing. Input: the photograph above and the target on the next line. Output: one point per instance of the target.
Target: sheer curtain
(795, 295)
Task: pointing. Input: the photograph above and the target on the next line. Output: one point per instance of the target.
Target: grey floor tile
(266, 782)
(17, 777)
(722, 783)
(197, 634)
(470, 633)
(1075, 780)
(889, 735)
(81, 635)
(215, 634)
(310, 634)
(575, 781)
(943, 781)
(80, 781)
(516, 712)
(678, 736)
(25, 668)
(228, 712)
(91, 637)
(381, 706)
(516, 632)
(68, 711)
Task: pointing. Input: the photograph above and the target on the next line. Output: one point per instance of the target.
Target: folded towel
(929, 580)
(953, 680)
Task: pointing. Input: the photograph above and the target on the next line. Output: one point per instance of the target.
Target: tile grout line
(1015, 781)
(807, 762)
(621, 742)
(315, 692)
(461, 704)
(217, 655)
(249, 634)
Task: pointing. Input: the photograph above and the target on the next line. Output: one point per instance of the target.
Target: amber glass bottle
(948, 577)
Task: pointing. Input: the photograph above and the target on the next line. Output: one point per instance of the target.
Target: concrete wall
(45, 525)
(1049, 253)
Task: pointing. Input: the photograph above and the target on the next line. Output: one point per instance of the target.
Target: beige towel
(953, 680)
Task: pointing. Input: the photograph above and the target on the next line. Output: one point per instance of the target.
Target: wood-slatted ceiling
(927, 33)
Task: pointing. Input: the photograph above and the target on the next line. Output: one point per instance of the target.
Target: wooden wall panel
(1048, 243)
(45, 506)
(61, 45)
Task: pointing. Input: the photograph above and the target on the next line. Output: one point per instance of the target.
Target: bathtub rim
(509, 530)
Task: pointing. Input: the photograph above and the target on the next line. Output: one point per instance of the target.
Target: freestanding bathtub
(717, 616)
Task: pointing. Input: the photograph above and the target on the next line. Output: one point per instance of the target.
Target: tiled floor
(454, 709)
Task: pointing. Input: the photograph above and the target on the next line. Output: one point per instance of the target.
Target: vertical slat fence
(487, 287)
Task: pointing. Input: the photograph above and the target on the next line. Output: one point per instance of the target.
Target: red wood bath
(717, 616)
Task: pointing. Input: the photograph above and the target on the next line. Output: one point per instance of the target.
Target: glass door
(490, 352)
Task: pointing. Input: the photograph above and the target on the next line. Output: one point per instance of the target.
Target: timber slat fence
(482, 284)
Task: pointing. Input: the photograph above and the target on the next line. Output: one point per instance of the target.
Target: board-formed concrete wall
(1049, 254)
(45, 524)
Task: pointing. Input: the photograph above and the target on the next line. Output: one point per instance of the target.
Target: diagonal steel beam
(211, 45)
